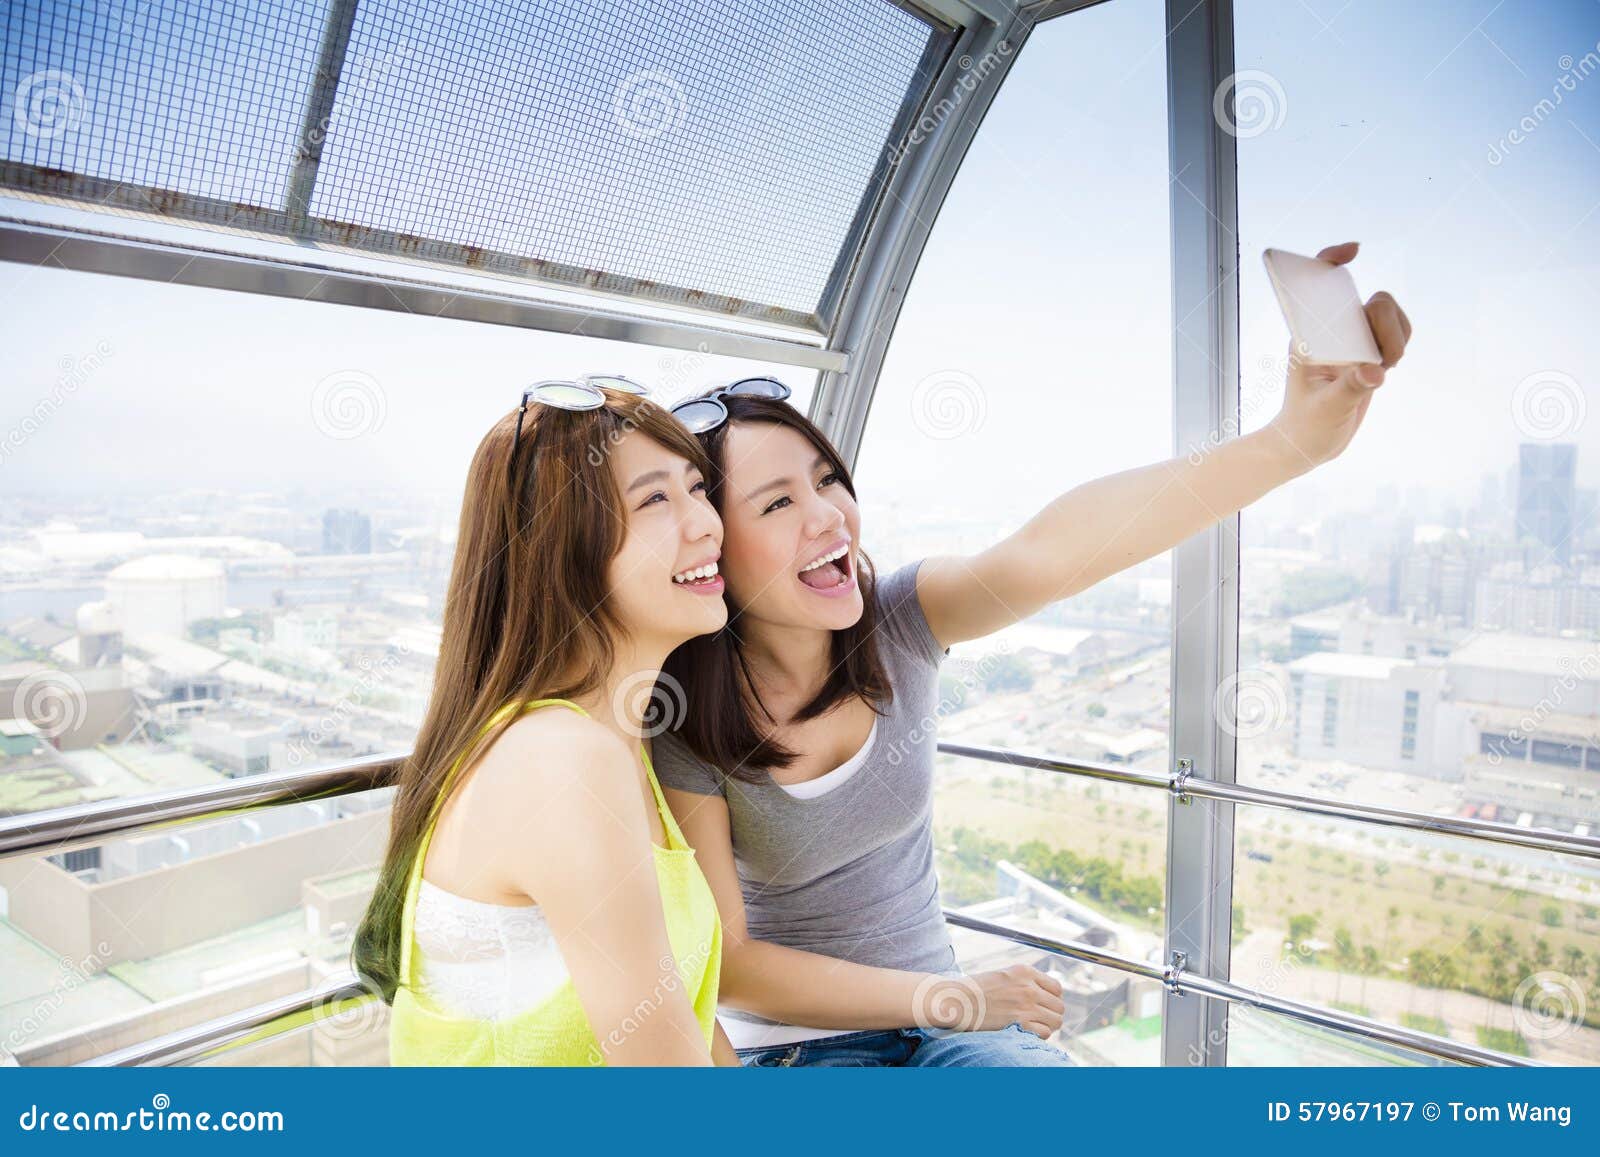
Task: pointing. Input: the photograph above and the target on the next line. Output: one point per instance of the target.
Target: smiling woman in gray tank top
(802, 767)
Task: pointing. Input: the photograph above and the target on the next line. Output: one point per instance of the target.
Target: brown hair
(527, 614)
(723, 716)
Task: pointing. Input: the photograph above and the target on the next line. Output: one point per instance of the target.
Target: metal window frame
(1205, 567)
(302, 279)
(292, 221)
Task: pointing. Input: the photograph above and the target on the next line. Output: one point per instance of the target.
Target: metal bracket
(1185, 769)
(1174, 970)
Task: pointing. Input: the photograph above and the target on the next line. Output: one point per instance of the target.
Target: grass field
(1390, 908)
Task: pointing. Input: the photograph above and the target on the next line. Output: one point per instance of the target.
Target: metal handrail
(247, 1026)
(290, 1013)
(83, 825)
(1181, 983)
(87, 824)
(1183, 785)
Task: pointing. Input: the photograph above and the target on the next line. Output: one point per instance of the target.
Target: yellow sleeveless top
(556, 1031)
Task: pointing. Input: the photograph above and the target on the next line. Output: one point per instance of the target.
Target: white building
(163, 593)
(1377, 711)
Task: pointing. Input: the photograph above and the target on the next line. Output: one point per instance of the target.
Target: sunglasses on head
(702, 414)
(582, 394)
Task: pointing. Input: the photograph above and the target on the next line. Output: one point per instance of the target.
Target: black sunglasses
(702, 414)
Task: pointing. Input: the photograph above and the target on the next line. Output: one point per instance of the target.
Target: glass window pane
(1417, 616)
(1032, 355)
(228, 528)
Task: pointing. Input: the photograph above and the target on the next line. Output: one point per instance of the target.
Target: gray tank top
(849, 873)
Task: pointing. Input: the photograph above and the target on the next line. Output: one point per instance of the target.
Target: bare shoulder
(558, 799)
(542, 751)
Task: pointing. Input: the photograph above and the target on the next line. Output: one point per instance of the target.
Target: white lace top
(480, 960)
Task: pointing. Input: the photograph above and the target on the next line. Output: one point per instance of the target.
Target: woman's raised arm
(1104, 526)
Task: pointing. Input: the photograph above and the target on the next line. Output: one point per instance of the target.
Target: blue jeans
(1009, 1047)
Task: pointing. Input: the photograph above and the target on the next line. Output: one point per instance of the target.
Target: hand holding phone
(1319, 301)
(1341, 353)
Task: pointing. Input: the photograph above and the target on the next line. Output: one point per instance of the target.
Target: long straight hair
(724, 721)
(527, 614)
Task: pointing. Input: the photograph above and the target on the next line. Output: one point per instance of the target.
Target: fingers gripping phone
(1323, 308)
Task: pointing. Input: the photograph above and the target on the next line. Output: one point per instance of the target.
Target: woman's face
(784, 508)
(664, 582)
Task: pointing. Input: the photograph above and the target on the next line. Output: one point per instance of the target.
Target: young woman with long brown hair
(537, 903)
(803, 770)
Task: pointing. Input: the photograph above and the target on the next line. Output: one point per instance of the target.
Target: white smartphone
(1323, 308)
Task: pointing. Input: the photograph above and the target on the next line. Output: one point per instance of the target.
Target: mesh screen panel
(712, 156)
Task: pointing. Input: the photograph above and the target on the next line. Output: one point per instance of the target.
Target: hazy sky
(1037, 330)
